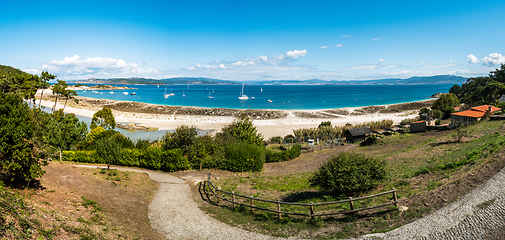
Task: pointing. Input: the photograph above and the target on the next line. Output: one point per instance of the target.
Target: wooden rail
(219, 194)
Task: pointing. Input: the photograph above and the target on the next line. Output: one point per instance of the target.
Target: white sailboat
(111, 92)
(125, 92)
(183, 95)
(209, 96)
(261, 89)
(165, 95)
(242, 96)
(269, 100)
(171, 94)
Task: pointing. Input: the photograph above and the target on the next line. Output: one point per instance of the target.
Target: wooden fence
(219, 194)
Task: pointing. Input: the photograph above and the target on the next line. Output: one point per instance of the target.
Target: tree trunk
(60, 155)
(56, 101)
(65, 104)
(41, 94)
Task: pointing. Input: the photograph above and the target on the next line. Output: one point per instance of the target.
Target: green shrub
(131, 158)
(151, 158)
(276, 139)
(349, 173)
(295, 151)
(243, 157)
(174, 160)
(84, 156)
(371, 140)
(273, 156)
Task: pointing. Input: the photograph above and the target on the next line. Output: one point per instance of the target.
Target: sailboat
(165, 94)
(125, 92)
(183, 95)
(261, 89)
(171, 94)
(209, 96)
(242, 96)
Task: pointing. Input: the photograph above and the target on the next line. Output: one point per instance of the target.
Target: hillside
(441, 79)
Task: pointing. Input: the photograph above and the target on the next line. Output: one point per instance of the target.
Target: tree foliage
(349, 173)
(59, 89)
(109, 151)
(483, 90)
(243, 130)
(446, 100)
(103, 118)
(18, 160)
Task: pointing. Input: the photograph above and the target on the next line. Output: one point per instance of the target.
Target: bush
(349, 173)
(371, 140)
(273, 156)
(276, 139)
(18, 159)
(243, 157)
(289, 138)
(295, 151)
(151, 158)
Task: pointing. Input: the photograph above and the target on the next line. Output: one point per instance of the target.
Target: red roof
(470, 113)
(417, 122)
(485, 108)
(457, 109)
(477, 112)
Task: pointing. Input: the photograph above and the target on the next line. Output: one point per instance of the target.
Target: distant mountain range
(440, 79)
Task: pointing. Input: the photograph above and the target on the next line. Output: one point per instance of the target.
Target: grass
(486, 203)
(418, 165)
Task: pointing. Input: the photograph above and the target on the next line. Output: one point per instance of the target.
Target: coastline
(268, 122)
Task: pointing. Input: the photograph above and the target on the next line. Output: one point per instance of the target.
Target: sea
(280, 97)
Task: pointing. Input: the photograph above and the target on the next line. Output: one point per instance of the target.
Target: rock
(403, 208)
(436, 95)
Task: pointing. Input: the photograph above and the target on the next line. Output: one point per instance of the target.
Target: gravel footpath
(174, 213)
(461, 219)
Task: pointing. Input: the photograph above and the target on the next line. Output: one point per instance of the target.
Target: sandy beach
(268, 122)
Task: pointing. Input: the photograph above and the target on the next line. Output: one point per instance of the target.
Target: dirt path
(174, 214)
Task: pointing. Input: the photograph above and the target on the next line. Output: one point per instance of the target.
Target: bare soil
(125, 202)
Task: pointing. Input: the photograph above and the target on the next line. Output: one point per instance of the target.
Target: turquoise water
(282, 97)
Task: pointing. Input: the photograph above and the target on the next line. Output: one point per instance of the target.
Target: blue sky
(257, 40)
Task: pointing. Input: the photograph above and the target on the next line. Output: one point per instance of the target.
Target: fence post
(252, 205)
(217, 192)
(233, 199)
(352, 204)
(279, 209)
(311, 211)
(394, 198)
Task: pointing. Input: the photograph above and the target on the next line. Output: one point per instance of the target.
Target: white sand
(269, 128)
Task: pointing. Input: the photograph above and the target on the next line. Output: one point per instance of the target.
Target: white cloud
(375, 39)
(242, 64)
(347, 36)
(439, 66)
(195, 67)
(297, 53)
(422, 62)
(472, 59)
(31, 71)
(222, 66)
(263, 58)
(493, 59)
(335, 46)
(461, 72)
(380, 60)
(371, 66)
(73, 66)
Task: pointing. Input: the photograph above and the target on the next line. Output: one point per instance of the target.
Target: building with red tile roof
(473, 114)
